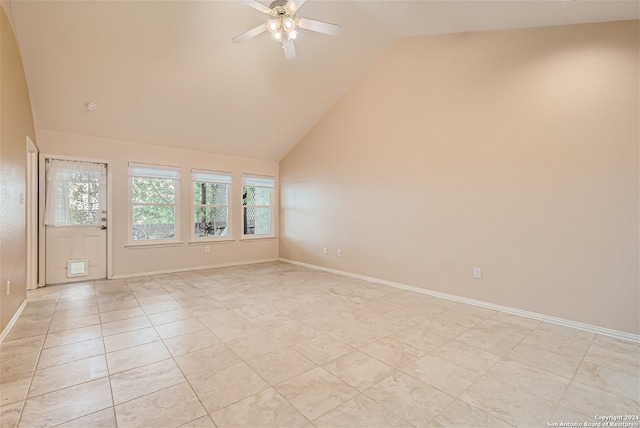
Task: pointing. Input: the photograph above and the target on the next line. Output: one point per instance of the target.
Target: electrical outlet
(207, 249)
(325, 251)
(8, 287)
(477, 273)
(339, 252)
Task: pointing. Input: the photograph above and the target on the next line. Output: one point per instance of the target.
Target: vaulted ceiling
(167, 73)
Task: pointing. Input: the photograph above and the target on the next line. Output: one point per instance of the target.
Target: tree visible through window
(211, 204)
(154, 194)
(257, 200)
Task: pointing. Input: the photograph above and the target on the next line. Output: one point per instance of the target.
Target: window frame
(169, 170)
(248, 178)
(229, 205)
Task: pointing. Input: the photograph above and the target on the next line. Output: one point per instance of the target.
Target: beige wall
(513, 151)
(16, 123)
(132, 261)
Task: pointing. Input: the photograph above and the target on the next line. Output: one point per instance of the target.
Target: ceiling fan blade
(289, 49)
(250, 34)
(319, 26)
(294, 5)
(259, 6)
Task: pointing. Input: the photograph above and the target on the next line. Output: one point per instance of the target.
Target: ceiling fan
(283, 24)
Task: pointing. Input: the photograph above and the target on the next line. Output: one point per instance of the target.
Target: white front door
(75, 221)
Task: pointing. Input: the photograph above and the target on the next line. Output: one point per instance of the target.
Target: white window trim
(259, 178)
(175, 241)
(212, 239)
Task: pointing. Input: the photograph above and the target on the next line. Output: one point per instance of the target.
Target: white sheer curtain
(65, 192)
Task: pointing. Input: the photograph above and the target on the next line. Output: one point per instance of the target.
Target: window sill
(258, 238)
(212, 242)
(146, 245)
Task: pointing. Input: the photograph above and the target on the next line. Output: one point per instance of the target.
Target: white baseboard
(514, 311)
(166, 271)
(9, 326)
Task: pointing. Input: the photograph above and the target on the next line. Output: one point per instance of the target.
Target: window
(73, 193)
(210, 204)
(154, 202)
(257, 201)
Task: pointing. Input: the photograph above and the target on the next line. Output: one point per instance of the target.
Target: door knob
(103, 227)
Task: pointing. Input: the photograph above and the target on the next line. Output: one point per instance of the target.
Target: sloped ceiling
(166, 72)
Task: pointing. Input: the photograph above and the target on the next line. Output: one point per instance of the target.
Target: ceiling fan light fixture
(277, 35)
(273, 25)
(289, 24)
(292, 34)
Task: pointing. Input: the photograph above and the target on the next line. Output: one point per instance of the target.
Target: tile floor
(275, 344)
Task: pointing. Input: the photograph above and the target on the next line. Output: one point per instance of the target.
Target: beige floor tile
(75, 322)
(442, 328)
(104, 419)
(66, 404)
(144, 380)
(177, 328)
(69, 304)
(21, 346)
(234, 330)
(130, 358)
(226, 386)
(616, 354)
(18, 364)
(206, 361)
(592, 401)
(441, 374)
(359, 370)
(130, 339)
(218, 318)
(527, 378)
(504, 329)
(203, 422)
(614, 381)
(280, 365)
(273, 321)
(419, 338)
(322, 349)
(75, 312)
(474, 359)
(254, 345)
(560, 340)
(125, 325)
(295, 332)
(122, 314)
(315, 392)
(284, 320)
(487, 342)
(24, 330)
(72, 336)
(265, 409)
(460, 317)
(543, 359)
(72, 352)
(392, 352)
(191, 342)
(14, 387)
(9, 414)
(409, 398)
(567, 416)
(356, 335)
(508, 403)
(173, 406)
(360, 411)
(68, 374)
(169, 316)
(460, 414)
